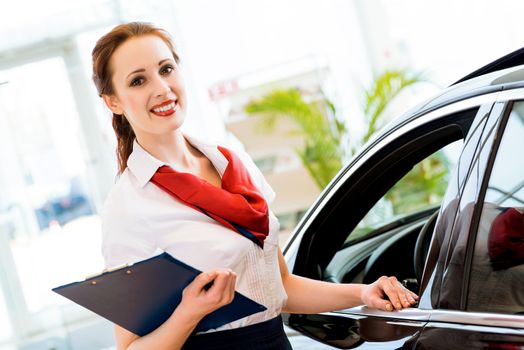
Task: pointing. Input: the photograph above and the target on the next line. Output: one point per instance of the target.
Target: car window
(422, 188)
(453, 225)
(364, 188)
(477, 141)
(497, 272)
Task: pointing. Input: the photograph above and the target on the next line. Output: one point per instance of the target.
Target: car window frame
(504, 104)
(495, 322)
(477, 215)
(301, 238)
(476, 140)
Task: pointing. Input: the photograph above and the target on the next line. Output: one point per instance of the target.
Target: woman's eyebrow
(143, 70)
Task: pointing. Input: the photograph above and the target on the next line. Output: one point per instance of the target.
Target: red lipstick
(172, 107)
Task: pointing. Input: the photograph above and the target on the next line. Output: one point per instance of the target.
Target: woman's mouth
(166, 109)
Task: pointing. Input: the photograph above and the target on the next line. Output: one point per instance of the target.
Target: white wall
(453, 38)
(224, 39)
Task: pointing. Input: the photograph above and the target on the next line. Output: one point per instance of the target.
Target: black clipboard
(142, 296)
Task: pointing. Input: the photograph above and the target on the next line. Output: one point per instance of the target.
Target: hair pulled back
(102, 77)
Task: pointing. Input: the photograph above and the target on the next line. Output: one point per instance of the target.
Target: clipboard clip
(110, 269)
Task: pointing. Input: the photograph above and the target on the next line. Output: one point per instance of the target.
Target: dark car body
(463, 256)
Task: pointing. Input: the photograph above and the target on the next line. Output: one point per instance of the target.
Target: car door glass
(497, 272)
(422, 188)
(452, 228)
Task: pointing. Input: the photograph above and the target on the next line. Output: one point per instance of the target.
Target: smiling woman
(119, 56)
(206, 205)
(142, 94)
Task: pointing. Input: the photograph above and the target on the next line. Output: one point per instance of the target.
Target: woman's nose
(161, 86)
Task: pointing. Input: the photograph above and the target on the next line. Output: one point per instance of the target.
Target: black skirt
(267, 335)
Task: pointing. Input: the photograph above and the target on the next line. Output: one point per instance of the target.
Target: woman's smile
(165, 109)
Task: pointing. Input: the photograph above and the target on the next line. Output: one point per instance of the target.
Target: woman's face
(148, 86)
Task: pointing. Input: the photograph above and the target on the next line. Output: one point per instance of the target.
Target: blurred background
(299, 84)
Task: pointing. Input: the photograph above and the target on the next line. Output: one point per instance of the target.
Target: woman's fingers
(232, 285)
(388, 285)
(412, 297)
(383, 304)
(223, 287)
(201, 281)
(399, 296)
(209, 291)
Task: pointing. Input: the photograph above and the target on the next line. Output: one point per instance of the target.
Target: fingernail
(398, 305)
(388, 307)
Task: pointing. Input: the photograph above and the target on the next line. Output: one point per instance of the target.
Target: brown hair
(102, 76)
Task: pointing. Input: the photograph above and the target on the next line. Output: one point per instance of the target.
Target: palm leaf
(384, 89)
(322, 155)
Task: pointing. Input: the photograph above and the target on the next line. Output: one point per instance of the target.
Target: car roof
(513, 59)
(504, 73)
(505, 79)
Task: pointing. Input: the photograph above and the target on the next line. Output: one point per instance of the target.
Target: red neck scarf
(237, 205)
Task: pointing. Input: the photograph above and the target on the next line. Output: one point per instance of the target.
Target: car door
(329, 245)
(477, 287)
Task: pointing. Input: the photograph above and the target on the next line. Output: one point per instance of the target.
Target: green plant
(322, 152)
(383, 90)
(422, 186)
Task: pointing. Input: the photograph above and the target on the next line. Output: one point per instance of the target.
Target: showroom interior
(57, 146)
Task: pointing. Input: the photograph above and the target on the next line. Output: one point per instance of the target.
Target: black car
(463, 252)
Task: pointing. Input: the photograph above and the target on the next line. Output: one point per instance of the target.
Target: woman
(204, 204)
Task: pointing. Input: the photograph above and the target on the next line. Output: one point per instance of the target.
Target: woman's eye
(137, 81)
(167, 69)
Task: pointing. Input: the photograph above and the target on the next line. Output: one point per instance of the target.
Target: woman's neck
(171, 149)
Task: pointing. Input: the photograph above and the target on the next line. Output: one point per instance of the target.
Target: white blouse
(140, 220)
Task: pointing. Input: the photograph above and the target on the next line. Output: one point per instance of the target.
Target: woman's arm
(197, 302)
(311, 296)
(172, 334)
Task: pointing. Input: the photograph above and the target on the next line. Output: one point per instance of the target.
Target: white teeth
(165, 108)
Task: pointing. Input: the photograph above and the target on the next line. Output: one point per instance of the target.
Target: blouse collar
(143, 165)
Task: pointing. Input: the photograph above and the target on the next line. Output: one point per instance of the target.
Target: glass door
(50, 232)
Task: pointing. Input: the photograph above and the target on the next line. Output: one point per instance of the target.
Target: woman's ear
(113, 104)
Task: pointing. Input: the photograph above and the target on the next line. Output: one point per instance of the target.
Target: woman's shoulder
(124, 228)
(120, 188)
(122, 199)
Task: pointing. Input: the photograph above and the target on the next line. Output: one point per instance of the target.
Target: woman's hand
(200, 299)
(376, 295)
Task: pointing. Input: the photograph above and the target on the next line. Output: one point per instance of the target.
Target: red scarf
(238, 205)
